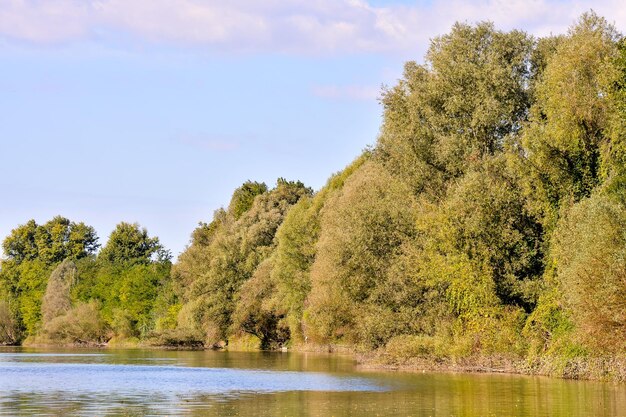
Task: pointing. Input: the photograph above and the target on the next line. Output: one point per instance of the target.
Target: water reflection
(152, 382)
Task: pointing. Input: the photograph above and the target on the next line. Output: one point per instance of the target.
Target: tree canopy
(130, 243)
(51, 242)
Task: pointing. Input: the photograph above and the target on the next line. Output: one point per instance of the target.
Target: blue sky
(153, 111)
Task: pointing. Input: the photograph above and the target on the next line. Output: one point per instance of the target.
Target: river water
(207, 383)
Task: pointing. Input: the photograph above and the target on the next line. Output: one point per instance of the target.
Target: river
(73, 382)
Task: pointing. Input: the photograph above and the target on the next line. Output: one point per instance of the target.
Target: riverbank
(610, 369)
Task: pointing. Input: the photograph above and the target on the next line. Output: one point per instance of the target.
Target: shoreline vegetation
(484, 231)
(603, 368)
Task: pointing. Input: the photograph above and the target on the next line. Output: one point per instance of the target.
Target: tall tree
(51, 242)
(20, 245)
(363, 230)
(129, 242)
(233, 254)
(244, 196)
(56, 300)
(471, 93)
(567, 133)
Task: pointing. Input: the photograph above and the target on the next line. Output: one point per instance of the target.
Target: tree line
(488, 220)
(55, 286)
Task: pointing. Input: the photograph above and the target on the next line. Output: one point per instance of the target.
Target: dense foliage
(488, 221)
(56, 289)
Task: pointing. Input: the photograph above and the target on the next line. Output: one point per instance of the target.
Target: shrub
(81, 325)
(9, 327)
(590, 259)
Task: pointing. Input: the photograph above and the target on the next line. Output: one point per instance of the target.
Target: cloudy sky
(155, 110)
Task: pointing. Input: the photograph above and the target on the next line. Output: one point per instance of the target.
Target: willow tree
(590, 258)
(460, 105)
(233, 253)
(363, 228)
(570, 120)
(9, 325)
(56, 300)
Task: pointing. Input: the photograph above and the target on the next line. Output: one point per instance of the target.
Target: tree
(80, 325)
(20, 245)
(137, 294)
(488, 219)
(195, 261)
(9, 326)
(614, 154)
(131, 243)
(590, 258)
(31, 282)
(256, 312)
(56, 300)
(562, 145)
(51, 242)
(233, 254)
(363, 229)
(244, 196)
(471, 94)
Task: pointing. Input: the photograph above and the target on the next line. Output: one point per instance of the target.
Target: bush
(81, 325)
(56, 300)
(590, 259)
(9, 327)
(405, 347)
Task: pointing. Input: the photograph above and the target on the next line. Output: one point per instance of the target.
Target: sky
(154, 111)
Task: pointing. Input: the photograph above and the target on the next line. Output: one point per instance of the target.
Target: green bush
(590, 260)
(80, 325)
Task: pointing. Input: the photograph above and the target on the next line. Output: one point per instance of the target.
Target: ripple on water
(135, 382)
(33, 387)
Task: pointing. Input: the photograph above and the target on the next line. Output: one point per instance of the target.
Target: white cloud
(44, 21)
(284, 26)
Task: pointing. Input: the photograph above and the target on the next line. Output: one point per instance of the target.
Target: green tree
(196, 259)
(471, 93)
(51, 242)
(131, 243)
(138, 291)
(233, 254)
(32, 279)
(59, 239)
(296, 248)
(82, 324)
(488, 220)
(614, 154)
(563, 143)
(257, 313)
(20, 245)
(126, 292)
(56, 300)
(9, 325)
(590, 259)
(244, 196)
(270, 305)
(363, 229)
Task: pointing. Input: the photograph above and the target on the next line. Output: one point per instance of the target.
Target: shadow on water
(153, 382)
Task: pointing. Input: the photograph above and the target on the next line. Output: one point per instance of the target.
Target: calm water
(150, 382)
